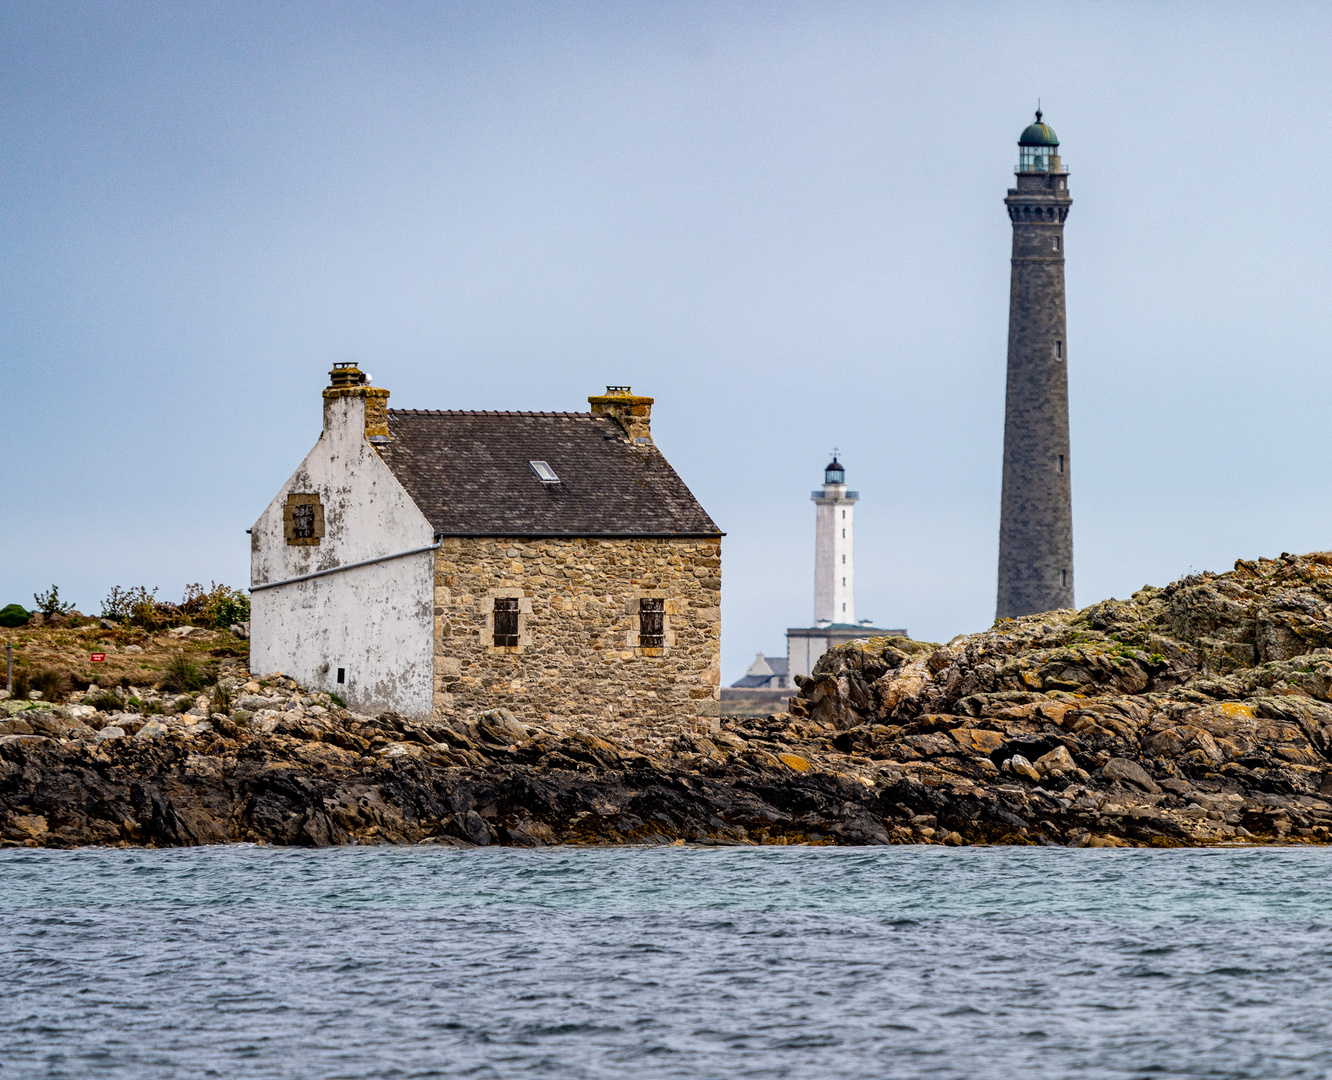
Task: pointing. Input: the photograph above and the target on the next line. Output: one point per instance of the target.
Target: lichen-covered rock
(1221, 683)
(1199, 713)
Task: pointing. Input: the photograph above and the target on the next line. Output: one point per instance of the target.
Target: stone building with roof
(439, 563)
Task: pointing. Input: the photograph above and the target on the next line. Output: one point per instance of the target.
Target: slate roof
(469, 474)
(777, 665)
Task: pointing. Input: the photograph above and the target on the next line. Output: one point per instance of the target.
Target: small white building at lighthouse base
(768, 683)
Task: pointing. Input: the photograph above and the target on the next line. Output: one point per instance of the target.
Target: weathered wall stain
(374, 622)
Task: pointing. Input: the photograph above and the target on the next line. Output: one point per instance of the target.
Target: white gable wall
(375, 622)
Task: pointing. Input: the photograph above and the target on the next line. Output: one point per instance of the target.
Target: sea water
(677, 962)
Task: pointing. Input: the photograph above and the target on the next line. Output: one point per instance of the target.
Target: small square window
(506, 621)
(651, 623)
(303, 519)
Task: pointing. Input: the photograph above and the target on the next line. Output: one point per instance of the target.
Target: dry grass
(68, 651)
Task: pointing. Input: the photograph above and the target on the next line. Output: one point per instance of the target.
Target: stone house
(766, 673)
(764, 688)
(439, 563)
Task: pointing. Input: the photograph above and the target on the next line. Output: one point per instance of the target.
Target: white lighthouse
(834, 548)
(834, 578)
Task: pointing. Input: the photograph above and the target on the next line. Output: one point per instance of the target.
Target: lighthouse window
(843, 534)
(843, 581)
(843, 607)
(1061, 462)
(1063, 577)
(1056, 243)
(843, 560)
(843, 515)
(1059, 350)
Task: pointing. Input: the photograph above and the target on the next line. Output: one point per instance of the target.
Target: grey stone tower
(1036, 519)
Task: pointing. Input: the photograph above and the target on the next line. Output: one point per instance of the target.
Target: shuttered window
(651, 623)
(506, 621)
(302, 521)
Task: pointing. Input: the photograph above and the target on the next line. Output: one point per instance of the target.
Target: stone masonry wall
(578, 658)
(1036, 520)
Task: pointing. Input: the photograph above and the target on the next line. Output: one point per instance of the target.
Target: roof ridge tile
(492, 412)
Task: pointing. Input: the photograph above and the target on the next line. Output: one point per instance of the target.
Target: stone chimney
(634, 414)
(348, 385)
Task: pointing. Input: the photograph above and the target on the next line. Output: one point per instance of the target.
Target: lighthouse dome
(1038, 134)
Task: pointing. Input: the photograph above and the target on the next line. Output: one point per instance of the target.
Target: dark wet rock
(1199, 713)
(1130, 772)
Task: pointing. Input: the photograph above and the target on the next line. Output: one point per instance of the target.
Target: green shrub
(14, 615)
(337, 700)
(138, 607)
(49, 603)
(119, 603)
(218, 608)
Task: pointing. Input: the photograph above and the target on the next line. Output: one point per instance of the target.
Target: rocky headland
(1193, 714)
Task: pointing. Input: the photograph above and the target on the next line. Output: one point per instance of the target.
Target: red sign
(98, 658)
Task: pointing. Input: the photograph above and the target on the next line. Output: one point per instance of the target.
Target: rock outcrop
(1194, 714)
(290, 767)
(1189, 714)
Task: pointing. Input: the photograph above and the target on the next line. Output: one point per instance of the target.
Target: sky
(783, 221)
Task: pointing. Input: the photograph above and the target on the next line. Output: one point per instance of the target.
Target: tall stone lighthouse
(1036, 519)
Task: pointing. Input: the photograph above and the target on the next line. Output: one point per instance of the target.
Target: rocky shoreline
(1194, 714)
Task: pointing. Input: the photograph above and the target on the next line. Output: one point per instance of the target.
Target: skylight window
(544, 472)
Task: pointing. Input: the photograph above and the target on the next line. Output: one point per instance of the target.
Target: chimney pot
(632, 412)
(346, 375)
